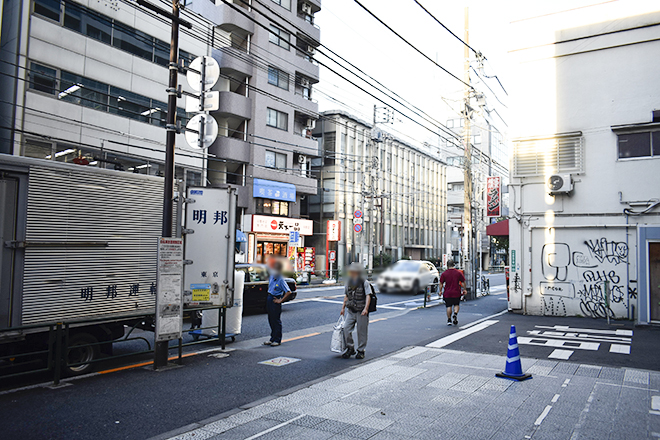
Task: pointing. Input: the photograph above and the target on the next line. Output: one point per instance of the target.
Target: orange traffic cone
(513, 369)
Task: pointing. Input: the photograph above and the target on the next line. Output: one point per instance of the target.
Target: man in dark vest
(356, 310)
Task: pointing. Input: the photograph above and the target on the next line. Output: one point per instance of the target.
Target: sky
(495, 27)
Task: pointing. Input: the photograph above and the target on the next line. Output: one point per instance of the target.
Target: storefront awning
(498, 229)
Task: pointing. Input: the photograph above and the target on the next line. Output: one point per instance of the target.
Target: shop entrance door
(266, 248)
(654, 280)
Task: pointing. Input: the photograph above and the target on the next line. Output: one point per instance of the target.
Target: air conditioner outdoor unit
(311, 123)
(302, 159)
(307, 8)
(304, 82)
(376, 135)
(560, 184)
(311, 50)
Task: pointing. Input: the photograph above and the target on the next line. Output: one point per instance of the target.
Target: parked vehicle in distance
(255, 291)
(408, 276)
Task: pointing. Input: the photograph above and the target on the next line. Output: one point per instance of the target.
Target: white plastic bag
(338, 344)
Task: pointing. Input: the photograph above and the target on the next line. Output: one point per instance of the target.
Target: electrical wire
(448, 30)
(411, 45)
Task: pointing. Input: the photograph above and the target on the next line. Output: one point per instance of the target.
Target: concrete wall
(564, 247)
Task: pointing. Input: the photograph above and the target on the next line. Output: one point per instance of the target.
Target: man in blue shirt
(278, 292)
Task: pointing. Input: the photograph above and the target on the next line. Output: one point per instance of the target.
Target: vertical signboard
(334, 228)
(210, 243)
(169, 297)
(494, 197)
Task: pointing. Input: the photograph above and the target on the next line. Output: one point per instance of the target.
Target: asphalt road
(140, 403)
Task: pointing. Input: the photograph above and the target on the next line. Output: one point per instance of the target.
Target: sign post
(332, 257)
(169, 292)
(333, 233)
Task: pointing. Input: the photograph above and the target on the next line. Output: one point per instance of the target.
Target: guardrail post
(180, 360)
(58, 354)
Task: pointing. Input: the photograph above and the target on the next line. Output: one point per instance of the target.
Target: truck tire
(76, 354)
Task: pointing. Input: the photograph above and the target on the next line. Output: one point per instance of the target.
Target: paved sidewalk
(425, 393)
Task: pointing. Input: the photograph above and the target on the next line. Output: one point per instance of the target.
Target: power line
(447, 29)
(411, 45)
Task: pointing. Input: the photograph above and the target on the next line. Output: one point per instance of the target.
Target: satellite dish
(201, 131)
(207, 66)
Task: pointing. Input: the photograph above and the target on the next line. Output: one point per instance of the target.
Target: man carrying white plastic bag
(356, 310)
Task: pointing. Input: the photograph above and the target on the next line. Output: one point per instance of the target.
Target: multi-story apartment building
(400, 190)
(490, 157)
(266, 134)
(585, 186)
(85, 82)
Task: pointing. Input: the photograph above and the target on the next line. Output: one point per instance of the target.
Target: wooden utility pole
(468, 250)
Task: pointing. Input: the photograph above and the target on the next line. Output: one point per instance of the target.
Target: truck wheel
(79, 352)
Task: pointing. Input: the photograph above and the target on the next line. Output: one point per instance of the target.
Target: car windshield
(406, 266)
(254, 274)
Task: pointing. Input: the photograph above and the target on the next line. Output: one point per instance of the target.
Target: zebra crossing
(565, 340)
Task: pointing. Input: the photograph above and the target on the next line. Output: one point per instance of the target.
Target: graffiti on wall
(590, 280)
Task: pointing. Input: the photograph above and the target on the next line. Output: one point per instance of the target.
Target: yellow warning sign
(201, 292)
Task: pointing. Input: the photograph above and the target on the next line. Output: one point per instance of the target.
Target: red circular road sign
(357, 228)
(357, 214)
(273, 224)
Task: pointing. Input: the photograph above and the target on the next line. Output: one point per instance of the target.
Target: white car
(409, 276)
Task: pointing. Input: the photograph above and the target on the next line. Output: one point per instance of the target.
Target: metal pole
(223, 339)
(161, 348)
(58, 354)
(467, 175)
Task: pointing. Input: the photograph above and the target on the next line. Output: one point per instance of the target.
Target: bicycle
(485, 286)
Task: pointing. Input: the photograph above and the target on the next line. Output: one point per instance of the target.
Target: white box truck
(77, 243)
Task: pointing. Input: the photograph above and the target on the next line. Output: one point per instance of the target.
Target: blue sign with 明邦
(269, 189)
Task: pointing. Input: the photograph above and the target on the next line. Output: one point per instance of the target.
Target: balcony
(233, 104)
(232, 60)
(231, 20)
(231, 149)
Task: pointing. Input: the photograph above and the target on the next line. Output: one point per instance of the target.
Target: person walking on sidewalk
(452, 284)
(278, 292)
(356, 310)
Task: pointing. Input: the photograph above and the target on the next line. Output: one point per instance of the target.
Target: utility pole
(467, 170)
(161, 349)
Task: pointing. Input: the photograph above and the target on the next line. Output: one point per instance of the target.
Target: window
(476, 139)
(275, 160)
(43, 79)
(48, 8)
(87, 22)
(100, 27)
(99, 96)
(450, 123)
(278, 78)
(538, 157)
(83, 91)
(286, 4)
(133, 41)
(277, 119)
(645, 144)
(272, 207)
(280, 37)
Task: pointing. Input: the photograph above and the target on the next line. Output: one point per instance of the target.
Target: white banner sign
(281, 225)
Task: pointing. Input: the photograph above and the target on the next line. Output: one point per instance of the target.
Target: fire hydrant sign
(169, 289)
